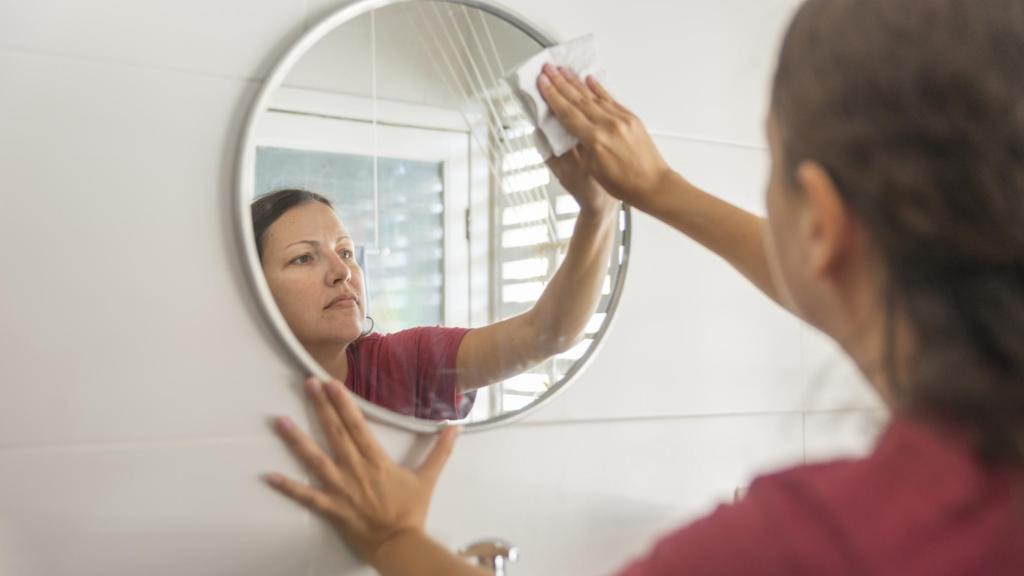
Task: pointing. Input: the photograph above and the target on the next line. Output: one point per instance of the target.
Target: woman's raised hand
(614, 145)
(361, 492)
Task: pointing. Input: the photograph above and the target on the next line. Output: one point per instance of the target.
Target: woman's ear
(827, 227)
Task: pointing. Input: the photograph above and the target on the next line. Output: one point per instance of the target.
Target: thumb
(576, 158)
(438, 457)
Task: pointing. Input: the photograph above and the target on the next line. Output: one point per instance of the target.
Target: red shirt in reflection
(920, 505)
(411, 372)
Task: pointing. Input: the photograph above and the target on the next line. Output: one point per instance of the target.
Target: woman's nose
(339, 270)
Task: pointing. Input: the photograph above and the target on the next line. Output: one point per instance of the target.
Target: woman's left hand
(578, 182)
(366, 496)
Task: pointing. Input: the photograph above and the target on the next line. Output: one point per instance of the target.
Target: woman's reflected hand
(614, 147)
(365, 495)
(577, 181)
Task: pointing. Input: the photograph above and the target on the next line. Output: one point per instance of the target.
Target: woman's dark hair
(916, 110)
(268, 208)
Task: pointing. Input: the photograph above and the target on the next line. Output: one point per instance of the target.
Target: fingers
(318, 463)
(576, 91)
(599, 107)
(570, 87)
(592, 101)
(335, 432)
(567, 112)
(598, 89)
(604, 97)
(354, 422)
(438, 457)
(306, 495)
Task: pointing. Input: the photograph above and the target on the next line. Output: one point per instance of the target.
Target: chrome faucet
(493, 554)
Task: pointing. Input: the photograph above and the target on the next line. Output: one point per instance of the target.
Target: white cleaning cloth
(579, 56)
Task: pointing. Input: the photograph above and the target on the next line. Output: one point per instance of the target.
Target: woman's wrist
(596, 222)
(395, 550)
(660, 187)
(605, 208)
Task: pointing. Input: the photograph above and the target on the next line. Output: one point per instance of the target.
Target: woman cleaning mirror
(895, 215)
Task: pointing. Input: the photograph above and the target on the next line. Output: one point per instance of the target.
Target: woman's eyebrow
(316, 243)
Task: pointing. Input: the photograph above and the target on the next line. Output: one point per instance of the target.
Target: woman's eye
(304, 259)
(345, 254)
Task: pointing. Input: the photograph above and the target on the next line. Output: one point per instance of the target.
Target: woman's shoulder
(842, 516)
(918, 479)
(417, 334)
(423, 339)
(419, 331)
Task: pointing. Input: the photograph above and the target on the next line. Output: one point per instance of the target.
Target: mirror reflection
(412, 236)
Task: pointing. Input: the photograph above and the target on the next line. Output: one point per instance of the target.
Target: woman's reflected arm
(558, 319)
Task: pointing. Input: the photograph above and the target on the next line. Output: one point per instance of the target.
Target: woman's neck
(860, 322)
(333, 359)
(879, 349)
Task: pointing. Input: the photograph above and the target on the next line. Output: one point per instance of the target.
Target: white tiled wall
(137, 373)
(148, 508)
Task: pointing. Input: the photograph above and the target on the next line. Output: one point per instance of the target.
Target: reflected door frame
(331, 122)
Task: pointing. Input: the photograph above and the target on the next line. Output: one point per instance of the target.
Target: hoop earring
(367, 332)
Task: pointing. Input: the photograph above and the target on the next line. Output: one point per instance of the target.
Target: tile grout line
(670, 135)
(135, 445)
(694, 416)
(251, 79)
(11, 49)
(215, 440)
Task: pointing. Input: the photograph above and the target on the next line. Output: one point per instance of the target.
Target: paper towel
(579, 56)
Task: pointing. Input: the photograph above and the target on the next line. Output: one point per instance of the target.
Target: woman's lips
(342, 303)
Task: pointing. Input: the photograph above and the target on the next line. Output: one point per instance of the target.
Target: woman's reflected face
(309, 262)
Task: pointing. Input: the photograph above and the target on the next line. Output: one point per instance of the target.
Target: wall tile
(126, 315)
(842, 434)
(197, 509)
(237, 37)
(833, 380)
(736, 174)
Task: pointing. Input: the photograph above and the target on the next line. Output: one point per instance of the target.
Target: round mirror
(403, 230)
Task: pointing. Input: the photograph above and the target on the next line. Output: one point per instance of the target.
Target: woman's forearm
(568, 302)
(731, 232)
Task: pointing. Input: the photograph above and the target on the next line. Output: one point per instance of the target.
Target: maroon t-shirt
(919, 505)
(411, 372)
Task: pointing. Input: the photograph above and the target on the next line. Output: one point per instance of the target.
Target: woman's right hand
(615, 147)
(369, 498)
